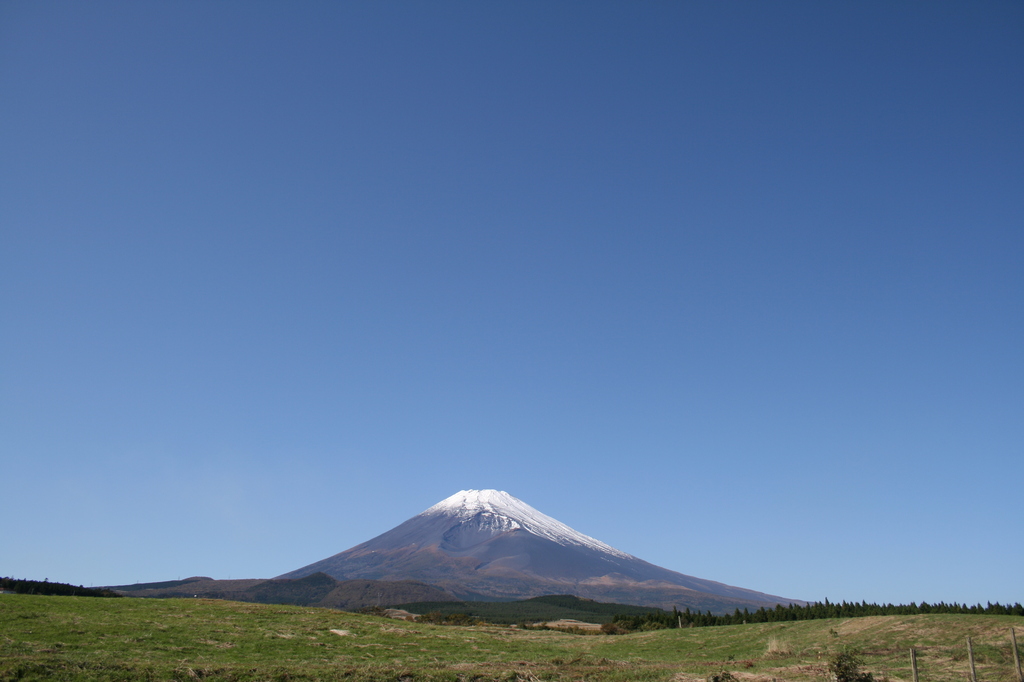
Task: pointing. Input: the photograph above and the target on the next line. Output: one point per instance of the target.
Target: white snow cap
(468, 503)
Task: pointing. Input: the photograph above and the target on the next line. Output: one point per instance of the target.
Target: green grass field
(80, 638)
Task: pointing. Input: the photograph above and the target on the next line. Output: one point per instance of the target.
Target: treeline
(812, 611)
(551, 607)
(46, 587)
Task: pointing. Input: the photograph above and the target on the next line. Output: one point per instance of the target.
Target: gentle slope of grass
(76, 638)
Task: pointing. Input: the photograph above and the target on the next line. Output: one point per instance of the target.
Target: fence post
(970, 652)
(1016, 655)
(913, 662)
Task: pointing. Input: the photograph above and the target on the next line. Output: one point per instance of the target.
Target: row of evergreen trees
(812, 611)
(46, 587)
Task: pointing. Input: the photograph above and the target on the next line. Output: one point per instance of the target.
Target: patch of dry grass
(777, 647)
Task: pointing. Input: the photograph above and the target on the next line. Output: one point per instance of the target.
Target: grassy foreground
(79, 638)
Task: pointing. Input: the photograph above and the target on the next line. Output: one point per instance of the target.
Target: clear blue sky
(737, 288)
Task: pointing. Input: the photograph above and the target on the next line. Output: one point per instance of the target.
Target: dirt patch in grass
(570, 624)
(215, 643)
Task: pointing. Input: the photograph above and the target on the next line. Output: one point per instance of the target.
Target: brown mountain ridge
(317, 589)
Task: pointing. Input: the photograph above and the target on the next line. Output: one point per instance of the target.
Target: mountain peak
(496, 501)
(499, 510)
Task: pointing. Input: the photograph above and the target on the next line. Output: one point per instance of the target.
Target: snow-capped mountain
(497, 510)
(487, 544)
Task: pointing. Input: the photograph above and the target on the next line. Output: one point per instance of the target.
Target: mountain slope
(489, 544)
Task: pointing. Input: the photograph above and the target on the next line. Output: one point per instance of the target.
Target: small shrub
(434, 617)
(650, 626)
(460, 619)
(845, 667)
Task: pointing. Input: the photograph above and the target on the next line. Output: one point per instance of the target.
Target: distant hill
(318, 589)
